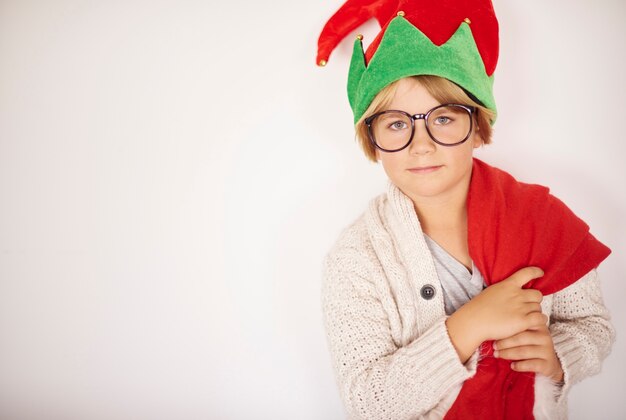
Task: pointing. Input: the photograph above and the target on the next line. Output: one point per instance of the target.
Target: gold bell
(322, 63)
(400, 13)
(467, 20)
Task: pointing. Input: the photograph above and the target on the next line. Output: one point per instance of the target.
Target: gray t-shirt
(458, 284)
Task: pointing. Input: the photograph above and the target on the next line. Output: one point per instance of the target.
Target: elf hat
(454, 39)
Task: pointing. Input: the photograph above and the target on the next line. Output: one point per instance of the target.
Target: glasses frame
(368, 121)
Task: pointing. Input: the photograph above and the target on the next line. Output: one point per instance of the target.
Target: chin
(423, 191)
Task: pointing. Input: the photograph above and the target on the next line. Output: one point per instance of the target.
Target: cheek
(462, 157)
(392, 163)
(476, 140)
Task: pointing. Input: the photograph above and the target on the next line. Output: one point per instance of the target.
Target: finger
(523, 276)
(530, 307)
(531, 365)
(536, 320)
(543, 329)
(525, 338)
(533, 295)
(521, 353)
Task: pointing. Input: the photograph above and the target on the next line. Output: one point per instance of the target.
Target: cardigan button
(427, 292)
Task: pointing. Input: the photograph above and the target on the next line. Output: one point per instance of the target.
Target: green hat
(454, 39)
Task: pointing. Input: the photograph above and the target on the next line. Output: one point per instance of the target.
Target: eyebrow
(389, 111)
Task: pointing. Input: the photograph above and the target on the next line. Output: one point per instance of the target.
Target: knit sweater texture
(391, 353)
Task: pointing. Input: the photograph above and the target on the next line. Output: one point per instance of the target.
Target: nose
(421, 143)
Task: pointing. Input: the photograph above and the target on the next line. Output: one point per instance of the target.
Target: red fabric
(512, 225)
(350, 16)
(438, 20)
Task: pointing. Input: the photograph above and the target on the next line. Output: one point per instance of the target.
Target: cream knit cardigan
(391, 352)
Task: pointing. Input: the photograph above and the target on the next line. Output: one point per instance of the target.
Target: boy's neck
(442, 213)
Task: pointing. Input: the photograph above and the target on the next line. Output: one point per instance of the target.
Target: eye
(398, 125)
(443, 120)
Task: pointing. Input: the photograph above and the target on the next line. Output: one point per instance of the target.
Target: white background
(173, 172)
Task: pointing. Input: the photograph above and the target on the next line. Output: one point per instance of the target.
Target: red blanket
(512, 225)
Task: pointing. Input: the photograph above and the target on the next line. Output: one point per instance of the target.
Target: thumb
(523, 276)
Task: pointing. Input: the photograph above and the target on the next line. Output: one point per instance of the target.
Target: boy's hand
(504, 309)
(499, 311)
(531, 351)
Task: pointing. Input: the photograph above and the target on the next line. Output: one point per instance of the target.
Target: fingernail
(495, 346)
(513, 366)
(495, 353)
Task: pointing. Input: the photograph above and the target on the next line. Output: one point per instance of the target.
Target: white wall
(173, 172)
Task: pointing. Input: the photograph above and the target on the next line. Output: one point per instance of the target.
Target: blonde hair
(443, 90)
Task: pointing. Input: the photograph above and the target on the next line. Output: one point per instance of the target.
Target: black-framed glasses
(447, 125)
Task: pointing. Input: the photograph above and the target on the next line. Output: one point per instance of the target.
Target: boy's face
(426, 170)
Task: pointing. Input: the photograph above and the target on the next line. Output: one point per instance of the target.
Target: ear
(477, 141)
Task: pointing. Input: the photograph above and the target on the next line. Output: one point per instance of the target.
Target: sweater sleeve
(377, 378)
(581, 330)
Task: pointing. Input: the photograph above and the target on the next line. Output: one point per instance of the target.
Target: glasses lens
(449, 124)
(391, 130)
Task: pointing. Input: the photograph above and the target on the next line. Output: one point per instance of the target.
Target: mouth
(424, 169)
